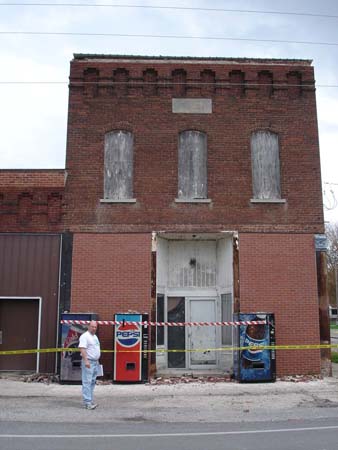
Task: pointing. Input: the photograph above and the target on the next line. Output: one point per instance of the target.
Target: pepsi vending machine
(70, 361)
(253, 363)
(130, 348)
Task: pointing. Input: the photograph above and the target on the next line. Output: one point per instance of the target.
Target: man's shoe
(90, 406)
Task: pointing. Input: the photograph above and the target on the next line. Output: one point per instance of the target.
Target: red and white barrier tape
(165, 324)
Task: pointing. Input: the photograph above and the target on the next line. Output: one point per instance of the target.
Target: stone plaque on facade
(192, 105)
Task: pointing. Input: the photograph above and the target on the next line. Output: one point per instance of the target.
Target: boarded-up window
(192, 165)
(118, 165)
(265, 165)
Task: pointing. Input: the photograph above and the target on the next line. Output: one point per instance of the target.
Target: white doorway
(194, 283)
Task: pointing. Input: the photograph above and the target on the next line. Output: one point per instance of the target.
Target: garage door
(19, 322)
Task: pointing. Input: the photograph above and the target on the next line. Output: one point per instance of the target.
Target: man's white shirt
(92, 345)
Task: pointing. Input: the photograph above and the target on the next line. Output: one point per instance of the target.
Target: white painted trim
(120, 200)
(39, 322)
(197, 236)
(192, 200)
(268, 200)
(194, 292)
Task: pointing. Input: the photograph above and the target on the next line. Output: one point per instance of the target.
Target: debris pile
(46, 378)
(103, 381)
(300, 378)
(191, 379)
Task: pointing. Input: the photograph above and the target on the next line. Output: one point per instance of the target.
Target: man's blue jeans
(88, 381)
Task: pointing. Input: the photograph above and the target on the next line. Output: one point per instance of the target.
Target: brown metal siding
(29, 267)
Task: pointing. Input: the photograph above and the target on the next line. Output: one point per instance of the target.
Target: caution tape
(198, 350)
(164, 324)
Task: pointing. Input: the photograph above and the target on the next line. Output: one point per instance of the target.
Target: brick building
(191, 191)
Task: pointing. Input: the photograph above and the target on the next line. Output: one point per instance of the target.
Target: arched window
(265, 165)
(118, 165)
(192, 165)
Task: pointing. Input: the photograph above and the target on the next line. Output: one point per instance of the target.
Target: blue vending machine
(70, 361)
(252, 363)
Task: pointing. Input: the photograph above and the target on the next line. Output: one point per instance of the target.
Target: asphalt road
(287, 435)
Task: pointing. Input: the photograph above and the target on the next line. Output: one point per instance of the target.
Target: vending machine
(131, 340)
(252, 361)
(70, 361)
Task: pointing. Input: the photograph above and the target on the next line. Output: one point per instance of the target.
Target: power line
(164, 36)
(174, 8)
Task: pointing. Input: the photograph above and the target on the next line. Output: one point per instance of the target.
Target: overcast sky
(34, 117)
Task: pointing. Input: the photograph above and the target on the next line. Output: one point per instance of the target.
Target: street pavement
(187, 402)
(316, 434)
(224, 415)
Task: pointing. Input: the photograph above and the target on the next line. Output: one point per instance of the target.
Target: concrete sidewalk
(191, 402)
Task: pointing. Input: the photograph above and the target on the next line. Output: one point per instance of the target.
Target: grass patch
(334, 357)
(334, 327)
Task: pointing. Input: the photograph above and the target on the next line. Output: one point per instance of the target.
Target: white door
(202, 338)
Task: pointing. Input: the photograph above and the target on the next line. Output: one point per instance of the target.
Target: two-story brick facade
(192, 191)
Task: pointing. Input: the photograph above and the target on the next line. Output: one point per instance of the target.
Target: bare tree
(332, 261)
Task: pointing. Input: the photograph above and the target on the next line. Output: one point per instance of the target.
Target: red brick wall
(111, 274)
(32, 178)
(288, 111)
(278, 274)
(31, 200)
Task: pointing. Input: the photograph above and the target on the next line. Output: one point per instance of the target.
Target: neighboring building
(30, 246)
(192, 191)
(333, 314)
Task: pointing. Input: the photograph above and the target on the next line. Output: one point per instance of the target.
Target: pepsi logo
(128, 335)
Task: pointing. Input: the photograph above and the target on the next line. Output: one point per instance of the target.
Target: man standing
(89, 346)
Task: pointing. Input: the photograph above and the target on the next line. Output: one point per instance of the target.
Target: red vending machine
(131, 340)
